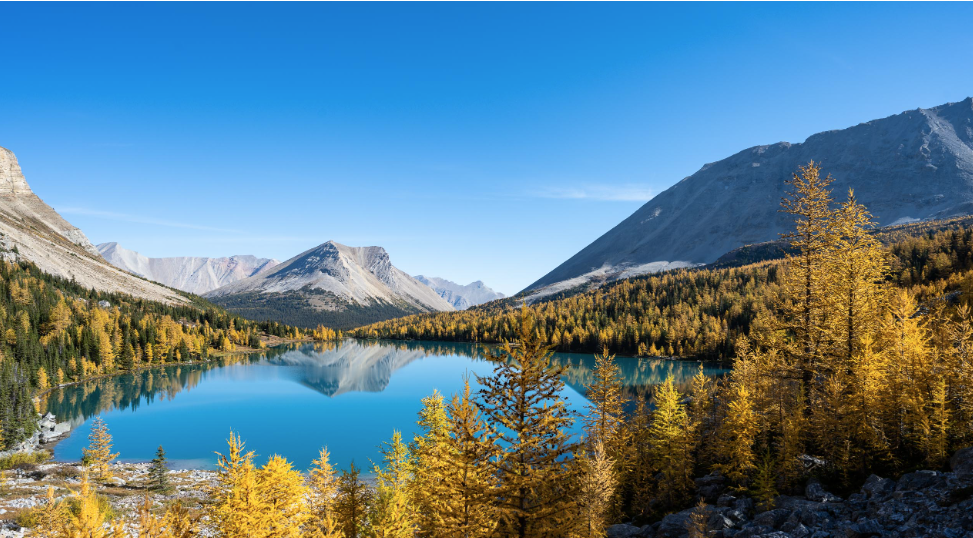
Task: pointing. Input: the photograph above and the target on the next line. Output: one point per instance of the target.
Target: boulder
(962, 462)
(876, 486)
(710, 487)
(918, 480)
(816, 492)
(674, 525)
(772, 518)
(865, 528)
(622, 530)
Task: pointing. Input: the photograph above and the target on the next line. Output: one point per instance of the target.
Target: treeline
(696, 313)
(304, 308)
(54, 331)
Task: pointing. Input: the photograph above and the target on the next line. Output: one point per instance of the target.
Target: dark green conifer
(159, 473)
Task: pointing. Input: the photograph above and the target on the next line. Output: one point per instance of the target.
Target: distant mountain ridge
(458, 295)
(332, 284)
(191, 274)
(916, 165)
(31, 230)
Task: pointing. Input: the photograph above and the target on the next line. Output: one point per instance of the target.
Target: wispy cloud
(123, 217)
(607, 193)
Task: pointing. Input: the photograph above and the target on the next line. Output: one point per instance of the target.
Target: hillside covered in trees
(54, 331)
(694, 312)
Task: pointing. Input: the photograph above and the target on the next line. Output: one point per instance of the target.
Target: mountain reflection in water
(372, 387)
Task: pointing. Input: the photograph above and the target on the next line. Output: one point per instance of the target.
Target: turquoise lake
(292, 400)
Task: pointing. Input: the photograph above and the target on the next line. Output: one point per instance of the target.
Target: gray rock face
(912, 166)
(195, 275)
(12, 179)
(458, 295)
(32, 230)
(358, 275)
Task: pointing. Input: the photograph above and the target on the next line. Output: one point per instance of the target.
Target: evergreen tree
(159, 473)
(353, 501)
(528, 418)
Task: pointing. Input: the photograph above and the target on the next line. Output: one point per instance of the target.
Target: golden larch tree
(283, 491)
(98, 455)
(238, 509)
(323, 484)
(522, 403)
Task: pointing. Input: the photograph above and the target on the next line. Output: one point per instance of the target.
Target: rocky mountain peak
(916, 165)
(12, 179)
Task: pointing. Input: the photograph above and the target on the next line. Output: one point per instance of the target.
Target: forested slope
(691, 312)
(55, 331)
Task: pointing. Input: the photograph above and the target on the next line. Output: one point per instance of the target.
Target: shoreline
(34, 444)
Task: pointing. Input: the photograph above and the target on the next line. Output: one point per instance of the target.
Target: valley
(682, 372)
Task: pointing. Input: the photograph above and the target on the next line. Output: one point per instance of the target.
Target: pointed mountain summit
(331, 284)
(195, 275)
(458, 295)
(33, 231)
(912, 166)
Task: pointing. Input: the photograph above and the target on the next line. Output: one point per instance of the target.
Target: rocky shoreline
(25, 488)
(49, 432)
(918, 504)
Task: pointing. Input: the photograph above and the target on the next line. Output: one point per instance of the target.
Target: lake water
(293, 400)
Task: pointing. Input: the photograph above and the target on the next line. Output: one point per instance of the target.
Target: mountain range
(331, 284)
(912, 166)
(195, 275)
(458, 295)
(31, 230)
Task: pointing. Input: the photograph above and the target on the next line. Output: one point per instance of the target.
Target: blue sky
(472, 141)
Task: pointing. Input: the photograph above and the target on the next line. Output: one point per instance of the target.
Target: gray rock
(816, 492)
(622, 530)
(744, 504)
(674, 525)
(192, 274)
(726, 500)
(866, 528)
(876, 486)
(918, 480)
(772, 518)
(459, 295)
(800, 531)
(710, 487)
(962, 462)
